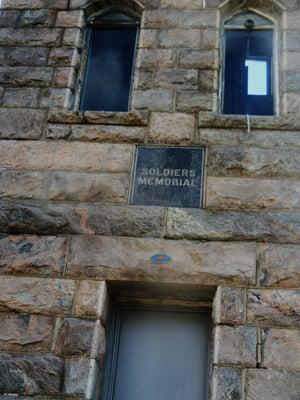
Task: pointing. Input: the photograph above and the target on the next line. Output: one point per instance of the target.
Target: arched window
(111, 50)
(248, 65)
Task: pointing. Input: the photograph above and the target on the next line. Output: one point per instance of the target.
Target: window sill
(274, 122)
(130, 118)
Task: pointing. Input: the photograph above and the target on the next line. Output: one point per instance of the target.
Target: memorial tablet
(168, 176)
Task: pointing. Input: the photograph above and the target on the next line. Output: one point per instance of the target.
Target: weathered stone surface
(281, 348)
(130, 259)
(285, 122)
(292, 103)
(30, 37)
(193, 101)
(64, 77)
(148, 38)
(182, 4)
(90, 299)
(76, 186)
(279, 266)
(23, 56)
(266, 384)
(178, 38)
(238, 193)
(22, 76)
(235, 345)
(226, 384)
(29, 375)
(56, 98)
(72, 37)
(79, 337)
(42, 155)
(209, 39)
(274, 307)
(153, 99)
(64, 56)
(291, 40)
(253, 162)
(156, 58)
(32, 255)
(21, 97)
(22, 332)
(81, 375)
(21, 124)
(207, 59)
(100, 133)
(201, 19)
(229, 306)
(35, 18)
(55, 218)
(235, 137)
(69, 19)
(171, 127)
(34, 4)
(175, 78)
(160, 19)
(276, 226)
(36, 295)
(21, 185)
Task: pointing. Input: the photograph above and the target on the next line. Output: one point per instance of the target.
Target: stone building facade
(71, 241)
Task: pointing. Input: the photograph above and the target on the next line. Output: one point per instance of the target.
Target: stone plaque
(168, 176)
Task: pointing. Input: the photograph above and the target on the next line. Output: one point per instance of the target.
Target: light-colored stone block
(171, 127)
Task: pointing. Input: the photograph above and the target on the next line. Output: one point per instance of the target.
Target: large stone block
(156, 58)
(76, 186)
(79, 337)
(176, 78)
(56, 218)
(267, 384)
(34, 4)
(30, 37)
(64, 77)
(153, 99)
(202, 19)
(253, 162)
(291, 40)
(64, 56)
(36, 18)
(235, 345)
(130, 259)
(36, 295)
(182, 4)
(274, 307)
(101, 133)
(81, 375)
(193, 101)
(276, 226)
(202, 59)
(21, 185)
(249, 193)
(70, 19)
(30, 374)
(238, 137)
(171, 128)
(24, 56)
(178, 38)
(21, 124)
(160, 19)
(229, 306)
(21, 97)
(22, 76)
(76, 156)
(279, 265)
(281, 348)
(91, 299)
(32, 255)
(22, 332)
(226, 384)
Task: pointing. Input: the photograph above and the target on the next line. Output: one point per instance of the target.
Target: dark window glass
(248, 72)
(157, 355)
(109, 68)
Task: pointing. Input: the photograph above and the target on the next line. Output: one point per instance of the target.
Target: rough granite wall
(65, 217)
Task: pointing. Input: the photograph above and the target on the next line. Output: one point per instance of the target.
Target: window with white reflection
(248, 65)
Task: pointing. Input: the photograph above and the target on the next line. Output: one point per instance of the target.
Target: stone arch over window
(250, 53)
(111, 37)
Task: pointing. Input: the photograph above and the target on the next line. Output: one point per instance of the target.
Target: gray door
(161, 355)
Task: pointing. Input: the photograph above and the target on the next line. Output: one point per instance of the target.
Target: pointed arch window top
(114, 17)
(239, 20)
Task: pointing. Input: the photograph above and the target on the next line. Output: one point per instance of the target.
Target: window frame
(93, 21)
(273, 26)
(114, 328)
